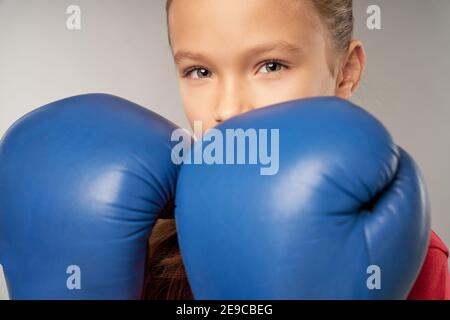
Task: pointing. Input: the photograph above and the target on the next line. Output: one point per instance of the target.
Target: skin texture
(234, 56)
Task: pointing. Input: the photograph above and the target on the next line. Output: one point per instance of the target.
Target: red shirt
(433, 282)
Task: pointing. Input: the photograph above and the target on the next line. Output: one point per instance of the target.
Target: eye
(271, 66)
(197, 73)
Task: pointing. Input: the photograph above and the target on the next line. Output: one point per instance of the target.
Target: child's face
(234, 56)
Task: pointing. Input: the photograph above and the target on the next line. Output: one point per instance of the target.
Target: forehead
(232, 25)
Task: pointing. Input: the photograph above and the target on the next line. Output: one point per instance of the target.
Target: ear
(351, 70)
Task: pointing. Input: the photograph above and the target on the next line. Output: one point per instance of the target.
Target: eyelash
(275, 61)
(190, 70)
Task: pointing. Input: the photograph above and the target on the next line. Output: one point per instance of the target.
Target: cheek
(303, 83)
(318, 82)
(197, 106)
(315, 79)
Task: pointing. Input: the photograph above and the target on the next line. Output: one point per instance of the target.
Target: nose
(233, 100)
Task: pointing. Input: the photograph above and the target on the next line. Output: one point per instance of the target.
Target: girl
(234, 56)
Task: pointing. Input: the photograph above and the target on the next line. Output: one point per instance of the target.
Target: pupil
(203, 72)
(272, 66)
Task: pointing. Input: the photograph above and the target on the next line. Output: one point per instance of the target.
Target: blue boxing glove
(82, 181)
(344, 216)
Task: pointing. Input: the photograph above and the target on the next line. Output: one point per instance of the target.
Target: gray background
(122, 49)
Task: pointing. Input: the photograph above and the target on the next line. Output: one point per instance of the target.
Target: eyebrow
(277, 45)
(185, 55)
(257, 50)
